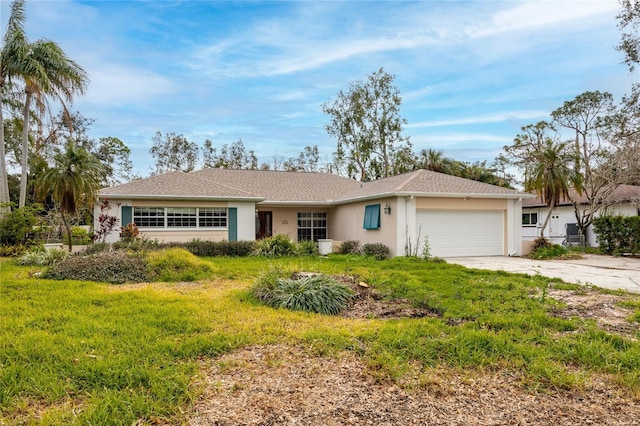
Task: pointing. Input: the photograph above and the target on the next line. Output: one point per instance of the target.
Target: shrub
(426, 250)
(95, 248)
(618, 234)
(13, 251)
(129, 233)
(220, 248)
(279, 245)
(43, 257)
(550, 251)
(106, 222)
(318, 294)
(541, 242)
(176, 264)
(111, 267)
(307, 248)
(350, 247)
(16, 227)
(79, 235)
(137, 244)
(376, 250)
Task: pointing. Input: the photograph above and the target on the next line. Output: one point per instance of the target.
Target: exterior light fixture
(387, 208)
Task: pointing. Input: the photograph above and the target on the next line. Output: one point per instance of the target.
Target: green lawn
(90, 353)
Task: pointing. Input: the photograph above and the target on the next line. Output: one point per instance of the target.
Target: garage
(456, 233)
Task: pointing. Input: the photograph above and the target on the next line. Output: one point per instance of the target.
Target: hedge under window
(372, 216)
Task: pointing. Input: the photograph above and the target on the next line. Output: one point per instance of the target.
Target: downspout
(515, 224)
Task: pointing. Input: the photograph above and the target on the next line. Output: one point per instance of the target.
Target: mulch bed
(283, 385)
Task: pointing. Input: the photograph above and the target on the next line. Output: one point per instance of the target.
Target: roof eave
(465, 195)
(279, 203)
(179, 197)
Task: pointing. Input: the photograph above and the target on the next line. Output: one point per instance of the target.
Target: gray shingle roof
(622, 194)
(299, 187)
(176, 185)
(430, 183)
(278, 186)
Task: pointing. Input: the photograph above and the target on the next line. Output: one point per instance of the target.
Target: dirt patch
(604, 309)
(369, 303)
(282, 385)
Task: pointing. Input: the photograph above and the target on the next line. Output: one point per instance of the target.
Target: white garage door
(455, 233)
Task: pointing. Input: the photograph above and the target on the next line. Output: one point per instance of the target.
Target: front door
(263, 225)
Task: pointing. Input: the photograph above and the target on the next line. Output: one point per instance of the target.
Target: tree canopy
(366, 122)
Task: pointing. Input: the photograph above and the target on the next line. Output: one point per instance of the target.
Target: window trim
(165, 218)
(530, 225)
(312, 228)
(371, 217)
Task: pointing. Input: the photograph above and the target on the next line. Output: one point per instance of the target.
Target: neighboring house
(459, 217)
(625, 201)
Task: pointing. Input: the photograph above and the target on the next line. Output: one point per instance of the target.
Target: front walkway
(603, 271)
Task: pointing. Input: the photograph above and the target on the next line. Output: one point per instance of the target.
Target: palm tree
(552, 175)
(13, 46)
(46, 71)
(74, 180)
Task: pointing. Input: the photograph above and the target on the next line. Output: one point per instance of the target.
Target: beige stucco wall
(461, 204)
(349, 220)
(246, 228)
(183, 236)
(285, 219)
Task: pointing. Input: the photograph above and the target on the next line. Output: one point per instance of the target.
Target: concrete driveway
(603, 271)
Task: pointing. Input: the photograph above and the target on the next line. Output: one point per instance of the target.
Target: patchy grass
(74, 352)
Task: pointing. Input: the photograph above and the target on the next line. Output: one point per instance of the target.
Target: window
(148, 217)
(529, 219)
(180, 217)
(212, 217)
(312, 226)
(372, 216)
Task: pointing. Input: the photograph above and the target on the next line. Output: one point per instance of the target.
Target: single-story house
(456, 216)
(625, 202)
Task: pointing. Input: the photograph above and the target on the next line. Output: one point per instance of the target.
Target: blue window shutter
(372, 216)
(233, 224)
(127, 215)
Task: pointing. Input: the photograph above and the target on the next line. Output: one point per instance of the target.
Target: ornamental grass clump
(278, 245)
(39, 256)
(319, 294)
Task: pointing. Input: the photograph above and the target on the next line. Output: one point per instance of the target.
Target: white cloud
(123, 85)
(491, 118)
(524, 16)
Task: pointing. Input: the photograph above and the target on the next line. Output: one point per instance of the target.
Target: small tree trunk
(546, 221)
(4, 182)
(68, 228)
(25, 151)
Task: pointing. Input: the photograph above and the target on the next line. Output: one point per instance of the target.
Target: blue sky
(471, 74)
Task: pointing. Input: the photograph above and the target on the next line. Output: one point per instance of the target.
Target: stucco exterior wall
(284, 220)
(461, 204)
(349, 224)
(245, 210)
